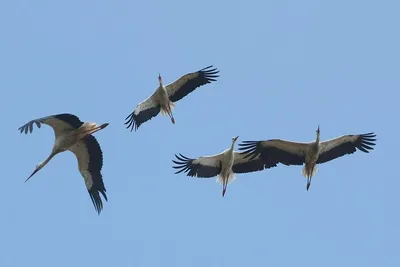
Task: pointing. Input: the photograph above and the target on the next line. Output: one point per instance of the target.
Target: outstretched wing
(90, 162)
(189, 82)
(275, 151)
(60, 123)
(203, 167)
(143, 112)
(346, 144)
(242, 164)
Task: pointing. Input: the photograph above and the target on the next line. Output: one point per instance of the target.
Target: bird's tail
(309, 170)
(165, 112)
(231, 178)
(88, 128)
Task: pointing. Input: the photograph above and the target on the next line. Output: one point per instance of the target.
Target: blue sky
(285, 67)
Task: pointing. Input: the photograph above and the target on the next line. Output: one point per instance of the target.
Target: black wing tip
(183, 163)
(183, 159)
(366, 142)
(208, 67)
(368, 135)
(131, 122)
(210, 73)
(28, 127)
(96, 198)
(245, 142)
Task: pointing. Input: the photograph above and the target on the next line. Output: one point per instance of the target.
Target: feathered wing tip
(366, 141)
(210, 74)
(249, 148)
(96, 199)
(70, 119)
(183, 165)
(130, 121)
(29, 126)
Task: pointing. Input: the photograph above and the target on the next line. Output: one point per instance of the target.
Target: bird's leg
(308, 182)
(224, 187)
(170, 115)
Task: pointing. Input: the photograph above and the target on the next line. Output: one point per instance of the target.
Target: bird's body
(161, 99)
(275, 151)
(76, 136)
(311, 157)
(227, 175)
(224, 165)
(164, 98)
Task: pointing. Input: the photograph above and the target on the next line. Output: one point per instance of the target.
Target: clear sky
(285, 67)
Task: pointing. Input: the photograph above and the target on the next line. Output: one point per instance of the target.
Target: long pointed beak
(33, 173)
(104, 125)
(236, 138)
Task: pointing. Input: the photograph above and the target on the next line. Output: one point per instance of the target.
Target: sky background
(285, 67)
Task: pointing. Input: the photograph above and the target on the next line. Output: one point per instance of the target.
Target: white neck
(232, 146)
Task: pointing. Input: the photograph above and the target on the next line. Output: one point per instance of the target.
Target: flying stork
(292, 153)
(164, 98)
(76, 136)
(224, 165)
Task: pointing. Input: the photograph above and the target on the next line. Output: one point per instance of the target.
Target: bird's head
(317, 131)
(159, 78)
(234, 139)
(38, 167)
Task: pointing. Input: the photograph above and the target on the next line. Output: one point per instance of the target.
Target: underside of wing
(90, 162)
(59, 123)
(347, 144)
(145, 111)
(245, 165)
(275, 151)
(189, 82)
(203, 167)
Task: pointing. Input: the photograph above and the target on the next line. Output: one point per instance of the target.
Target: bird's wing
(346, 144)
(241, 164)
(275, 151)
(90, 162)
(143, 112)
(203, 167)
(60, 123)
(189, 82)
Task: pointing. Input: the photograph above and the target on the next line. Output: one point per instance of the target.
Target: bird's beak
(236, 138)
(33, 173)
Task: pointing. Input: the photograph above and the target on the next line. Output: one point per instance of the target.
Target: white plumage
(275, 151)
(164, 98)
(224, 165)
(76, 136)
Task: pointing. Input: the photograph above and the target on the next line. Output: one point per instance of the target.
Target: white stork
(225, 164)
(292, 153)
(164, 98)
(76, 136)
